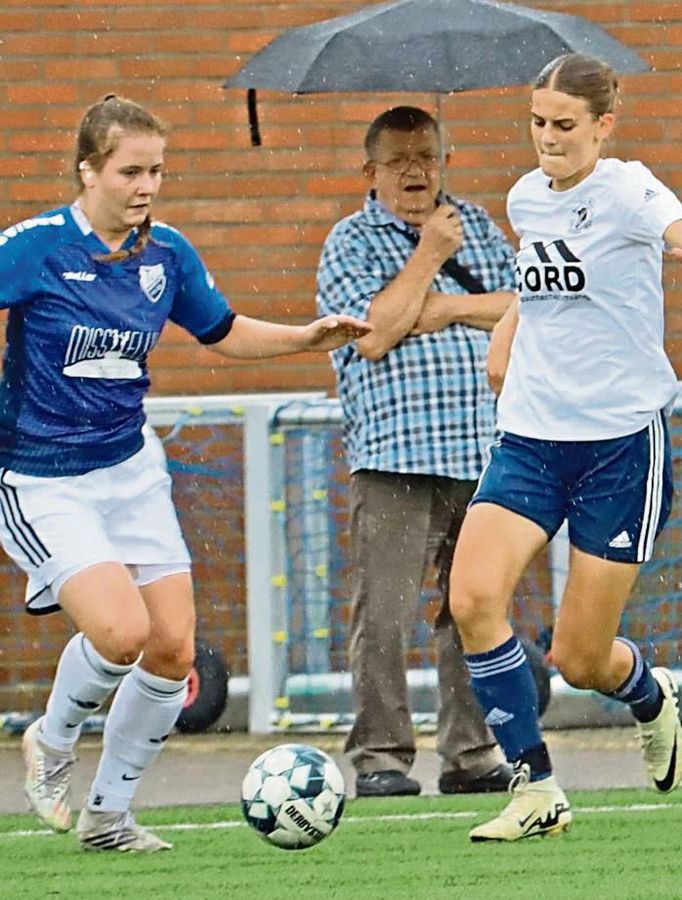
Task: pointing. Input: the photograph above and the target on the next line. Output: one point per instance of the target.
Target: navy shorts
(616, 494)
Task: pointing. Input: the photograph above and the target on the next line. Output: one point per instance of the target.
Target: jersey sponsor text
(107, 352)
(554, 269)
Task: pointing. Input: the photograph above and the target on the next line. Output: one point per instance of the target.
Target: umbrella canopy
(427, 46)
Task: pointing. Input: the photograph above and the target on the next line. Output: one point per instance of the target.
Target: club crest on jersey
(581, 217)
(153, 281)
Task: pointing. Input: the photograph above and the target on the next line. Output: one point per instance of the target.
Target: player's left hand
(675, 252)
(331, 332)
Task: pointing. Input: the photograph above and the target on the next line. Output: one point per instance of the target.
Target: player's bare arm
(254, 339)
(673, 239)
(500, 346)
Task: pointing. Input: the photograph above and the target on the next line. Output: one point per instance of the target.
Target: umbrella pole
(443, 151)
(252, 107)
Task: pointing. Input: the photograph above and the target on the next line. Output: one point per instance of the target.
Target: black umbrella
(424, 45)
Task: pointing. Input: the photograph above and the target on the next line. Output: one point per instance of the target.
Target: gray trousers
(400, 524)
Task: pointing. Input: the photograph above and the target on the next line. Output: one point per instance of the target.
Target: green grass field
(624, 844)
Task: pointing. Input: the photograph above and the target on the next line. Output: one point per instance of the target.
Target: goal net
(260, 484)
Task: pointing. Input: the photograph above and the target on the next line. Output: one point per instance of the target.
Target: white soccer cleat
(116, 831)
(536, 808)
(661, 740)
(48, 776)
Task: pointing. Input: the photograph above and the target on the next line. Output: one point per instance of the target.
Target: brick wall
(259, 215)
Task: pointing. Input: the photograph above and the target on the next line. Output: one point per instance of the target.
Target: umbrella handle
(254, 127)
(442, 152)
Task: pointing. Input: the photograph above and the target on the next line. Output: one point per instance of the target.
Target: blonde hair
(100, 131)
(582, 76)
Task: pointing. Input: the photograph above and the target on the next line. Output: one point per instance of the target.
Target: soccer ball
(293, 795)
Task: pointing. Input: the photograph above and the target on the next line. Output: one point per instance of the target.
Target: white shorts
(55, 527)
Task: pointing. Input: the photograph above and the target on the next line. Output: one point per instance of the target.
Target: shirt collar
(85, 227)
(80, 218)
(379, 216)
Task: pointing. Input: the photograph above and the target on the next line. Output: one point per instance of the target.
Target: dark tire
(540, 670)
(206, 690)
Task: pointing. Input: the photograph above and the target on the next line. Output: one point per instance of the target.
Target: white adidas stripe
(654, 489)
(21, 531)
(512, 659)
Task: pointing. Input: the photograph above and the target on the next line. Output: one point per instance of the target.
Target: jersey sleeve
(490, 253)
(23, 249)
(198, 306)
(348, 276)
(510, 207)
(651, 206)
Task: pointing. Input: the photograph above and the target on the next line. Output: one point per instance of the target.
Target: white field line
(355, 820)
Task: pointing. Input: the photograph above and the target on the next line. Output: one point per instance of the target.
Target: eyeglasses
(427, 162)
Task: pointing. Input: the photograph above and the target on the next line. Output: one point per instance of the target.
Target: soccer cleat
(116, 831)
(536, 808)
(661, 740)
(48, 775)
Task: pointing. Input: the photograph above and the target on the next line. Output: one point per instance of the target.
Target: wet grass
(623, 844)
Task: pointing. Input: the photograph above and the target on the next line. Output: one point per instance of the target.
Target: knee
(474, 603)
(464, 609)
(583, 672)
(183, 654)
(122, 643)
(171, 656)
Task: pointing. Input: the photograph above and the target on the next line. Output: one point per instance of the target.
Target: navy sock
(505, 688)
(640, 690)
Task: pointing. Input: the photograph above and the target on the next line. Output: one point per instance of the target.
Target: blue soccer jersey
(78, 335)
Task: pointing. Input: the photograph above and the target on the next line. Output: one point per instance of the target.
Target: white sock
(142, 716)
(83, 682)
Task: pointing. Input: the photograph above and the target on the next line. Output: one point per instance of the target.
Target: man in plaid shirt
(433, 274)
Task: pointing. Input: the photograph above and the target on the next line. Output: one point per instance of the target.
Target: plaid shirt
(426, 406)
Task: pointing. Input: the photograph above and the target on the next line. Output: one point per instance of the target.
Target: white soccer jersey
(588, 361)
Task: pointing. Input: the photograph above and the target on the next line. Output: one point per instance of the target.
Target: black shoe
(388, 783)
(496, 780)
